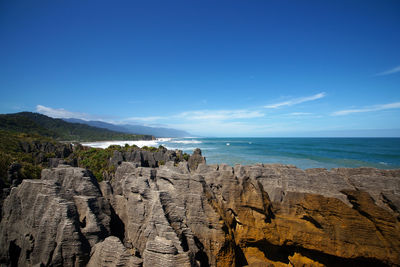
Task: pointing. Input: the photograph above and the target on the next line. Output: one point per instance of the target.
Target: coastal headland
(199, 133)
(162, 209)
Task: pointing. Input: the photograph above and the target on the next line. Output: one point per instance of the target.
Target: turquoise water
(304, 153)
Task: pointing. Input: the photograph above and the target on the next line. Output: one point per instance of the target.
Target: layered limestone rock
(146, 158)
(249, 215)
(111, 253)
(166, 204)
(53, 221)
(279, 211)
(195, 159)
(40, 149)
(193, 214)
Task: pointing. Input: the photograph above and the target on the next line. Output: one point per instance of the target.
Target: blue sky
(213, 68)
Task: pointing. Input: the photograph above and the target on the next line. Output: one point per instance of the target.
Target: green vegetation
(97, 159)
(153, 149)
(11, 151)
(5, 162)
(32, 162)
(186, 156)
(38, 124)
(28, 140)
(149, 148)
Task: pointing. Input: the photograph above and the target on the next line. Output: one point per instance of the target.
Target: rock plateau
(193, 214)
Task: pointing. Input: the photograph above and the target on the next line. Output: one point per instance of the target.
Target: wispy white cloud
(61, 113)
(220, 114)
(220, 122)
(229, 128)
(210, 122)
(388, 72)
(189, 116)
(367, 109)
(203, 115)
(296, 101)
(145, 119)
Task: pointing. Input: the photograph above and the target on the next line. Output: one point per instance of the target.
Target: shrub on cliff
(32, 153)
(13, 148)
(97, 159)
(5, 161)
(149, 148)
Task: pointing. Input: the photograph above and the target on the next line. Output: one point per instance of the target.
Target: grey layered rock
(144, 158)
(161, 252)
(13, 174)
(195, 159)
(207, 216)
(111, 253)
(193, 214)
(55, 220)
(60, 150)
(157, 205)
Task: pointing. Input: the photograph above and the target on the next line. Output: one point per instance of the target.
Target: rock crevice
(193, 214)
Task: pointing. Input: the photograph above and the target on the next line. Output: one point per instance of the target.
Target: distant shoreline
(305, 153)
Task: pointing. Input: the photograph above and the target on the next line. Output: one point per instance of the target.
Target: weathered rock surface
(226, 216)
(111, 253)
(59, 149)
(193, 214)
(55, 220)
(145, 158)
(195, 159)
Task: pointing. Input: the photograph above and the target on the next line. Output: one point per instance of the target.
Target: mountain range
(134, 129)
(35, 123)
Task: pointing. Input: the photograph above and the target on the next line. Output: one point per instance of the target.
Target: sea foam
(105, 144)
(186, 142)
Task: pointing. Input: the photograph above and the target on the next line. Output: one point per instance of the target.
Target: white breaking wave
(186, 149)
(164, 139)
(105, 144)
(169, 143)
(186, 142)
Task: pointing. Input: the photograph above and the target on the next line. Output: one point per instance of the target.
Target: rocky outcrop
(111, 253)
(145, 158)
(180, 214)
(13, 174)
(246, 215)
(53, 221)
(41, 151)
(195, 159)
(278, 211)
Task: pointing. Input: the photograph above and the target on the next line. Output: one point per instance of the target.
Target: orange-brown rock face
(262, 214)
(214, 215)
(281, 215)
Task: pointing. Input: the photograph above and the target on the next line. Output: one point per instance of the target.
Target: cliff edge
(204, 215)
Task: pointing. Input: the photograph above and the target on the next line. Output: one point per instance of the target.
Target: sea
(305, 153)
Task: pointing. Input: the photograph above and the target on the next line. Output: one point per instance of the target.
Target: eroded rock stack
(55, 220)
(193, 214)
(146, 158)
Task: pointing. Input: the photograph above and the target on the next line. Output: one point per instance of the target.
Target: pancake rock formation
(193, 214)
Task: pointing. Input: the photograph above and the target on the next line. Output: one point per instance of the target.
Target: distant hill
(134, 129)
(35, 123)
